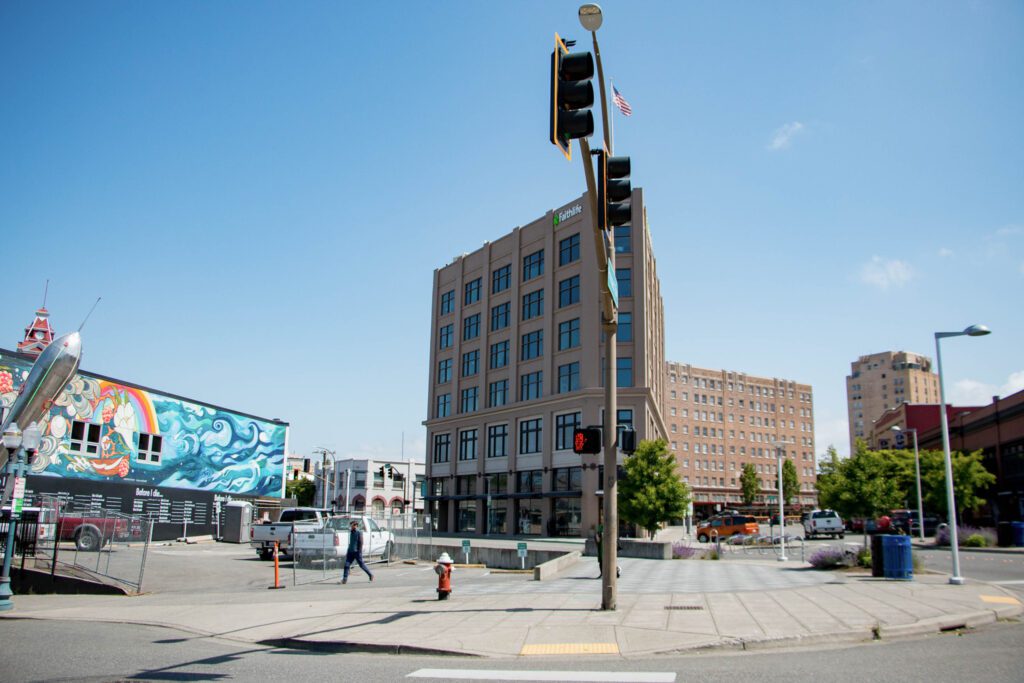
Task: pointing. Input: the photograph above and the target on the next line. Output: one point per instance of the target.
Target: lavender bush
(828, 558)
(682, 550)
(967, 536)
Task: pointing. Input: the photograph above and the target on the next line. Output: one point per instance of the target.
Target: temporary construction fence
(83, 542)
(319, 555)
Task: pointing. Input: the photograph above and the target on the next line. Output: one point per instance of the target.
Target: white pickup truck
(823, 523)
(329, 543)
(292, 520)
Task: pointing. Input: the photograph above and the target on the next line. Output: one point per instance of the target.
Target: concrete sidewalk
(663, 607)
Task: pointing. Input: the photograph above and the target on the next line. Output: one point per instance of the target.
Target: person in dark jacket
(355, 552)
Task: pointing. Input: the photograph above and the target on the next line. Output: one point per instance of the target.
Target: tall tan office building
(882, 381)
(516, 364)
(720, 420)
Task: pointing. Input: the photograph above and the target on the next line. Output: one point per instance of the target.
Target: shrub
(975, 541)
(711, 554)
(683, 550)
(864, 558)
(982, 538)
(828, 558)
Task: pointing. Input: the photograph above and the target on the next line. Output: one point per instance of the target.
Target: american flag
(621, 102)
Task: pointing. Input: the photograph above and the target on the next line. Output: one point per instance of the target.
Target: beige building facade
(720, 420)
(516, 363)
(882, 381)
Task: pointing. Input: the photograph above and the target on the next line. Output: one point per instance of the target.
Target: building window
(533, 265)
(569, 334)
(470, 363)
(499, 355)
(85, 438)
(569, 291)
(471, 327)
(622, 239)
(150, 447)
(569, 377)
(500, 279)
(564, 426)
(624, 372)
(444, 370)
(469, 400)
(497, 441)
(442, 452)
(500, 316)
(448, 302)
(445, 336)
(533, 304)
(530, 386)
(625, 281)
(567, 479)
(472, 292)
(532, 345)
(498, 393)
(569, 250)
(444, 405)
(467, 444)
(530, 434)
(625, 331)
(529, 481)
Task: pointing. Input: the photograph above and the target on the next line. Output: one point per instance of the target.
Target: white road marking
(526, 675)
(1008, 583)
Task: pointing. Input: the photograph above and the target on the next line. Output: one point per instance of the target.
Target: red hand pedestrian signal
(586, 440)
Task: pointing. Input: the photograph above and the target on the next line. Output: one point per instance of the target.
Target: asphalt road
(73, 651)
(1004, 569)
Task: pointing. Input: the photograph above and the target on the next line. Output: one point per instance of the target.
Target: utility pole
(324, 481)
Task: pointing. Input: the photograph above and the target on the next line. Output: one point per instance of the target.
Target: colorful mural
(200, 447)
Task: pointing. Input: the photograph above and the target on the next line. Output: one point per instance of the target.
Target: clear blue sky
(260, 191)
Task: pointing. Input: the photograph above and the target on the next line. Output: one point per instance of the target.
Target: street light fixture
(972, 331)
(779, 453)
(917, 475)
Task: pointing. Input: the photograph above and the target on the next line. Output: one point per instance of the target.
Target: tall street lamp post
(917, 476)
(779, 453)
(972, 331)
(17, 443)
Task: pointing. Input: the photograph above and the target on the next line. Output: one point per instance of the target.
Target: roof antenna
(98, 299)
(46, 291)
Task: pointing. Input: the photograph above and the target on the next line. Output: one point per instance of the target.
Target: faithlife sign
(567, 214)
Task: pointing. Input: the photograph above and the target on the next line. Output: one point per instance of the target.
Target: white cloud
(1009, 231)
(969, 392)
(945, 252)
(884, 274)
(784, 135)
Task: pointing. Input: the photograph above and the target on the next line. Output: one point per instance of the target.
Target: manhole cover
(690, 608)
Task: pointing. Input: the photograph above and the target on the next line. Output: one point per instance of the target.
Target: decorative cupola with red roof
(39, 334)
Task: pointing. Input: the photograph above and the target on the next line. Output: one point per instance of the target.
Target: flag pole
(611, 117)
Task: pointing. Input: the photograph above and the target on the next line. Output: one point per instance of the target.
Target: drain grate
(688, 608)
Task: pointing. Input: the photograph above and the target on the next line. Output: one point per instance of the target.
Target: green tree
(750, 485)
(651, 492)
(302, 490)
(863, 485)
(790, 482)
(970, 478)
(830, 482)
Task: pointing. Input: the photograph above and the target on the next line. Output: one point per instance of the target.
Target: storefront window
(466, 515)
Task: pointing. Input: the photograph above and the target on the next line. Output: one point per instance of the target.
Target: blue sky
(260, 191)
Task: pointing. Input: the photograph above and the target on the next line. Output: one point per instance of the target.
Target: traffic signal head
(390, 471)
(628, 441)
(613, 191)
(572, 95)
(381, 471)
(586, 440)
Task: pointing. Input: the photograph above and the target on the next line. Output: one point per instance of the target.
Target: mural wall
(95, 428)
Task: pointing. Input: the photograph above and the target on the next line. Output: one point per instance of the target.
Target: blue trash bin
(899, 562)
(1018, 533)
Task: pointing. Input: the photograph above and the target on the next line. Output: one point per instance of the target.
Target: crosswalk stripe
(527, 675)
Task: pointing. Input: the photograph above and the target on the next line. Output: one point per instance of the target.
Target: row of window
(531, 432)
(525, 481)
(705, 383)
(86, 438)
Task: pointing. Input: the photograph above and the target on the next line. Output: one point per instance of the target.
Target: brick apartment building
(882, 381)
(719, 420)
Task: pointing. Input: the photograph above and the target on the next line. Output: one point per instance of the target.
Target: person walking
(598, 541)
(355, 552)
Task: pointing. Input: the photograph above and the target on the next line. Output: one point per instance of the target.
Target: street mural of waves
(215, 450)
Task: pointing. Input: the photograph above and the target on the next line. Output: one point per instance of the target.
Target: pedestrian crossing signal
(586, 440)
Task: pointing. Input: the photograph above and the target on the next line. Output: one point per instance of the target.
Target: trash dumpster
(1004, 534)
(1018, 533)
(877, 556)
(898, 562)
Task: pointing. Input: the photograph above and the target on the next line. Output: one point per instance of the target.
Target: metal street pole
(782, 511)
(972, 331)
(13, 467)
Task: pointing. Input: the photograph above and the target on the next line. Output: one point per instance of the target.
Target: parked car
(329, 543)
(824, 523)
(725, 526)
(263, 536)
(906, 522)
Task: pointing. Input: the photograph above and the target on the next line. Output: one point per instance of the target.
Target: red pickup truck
(91, 533)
